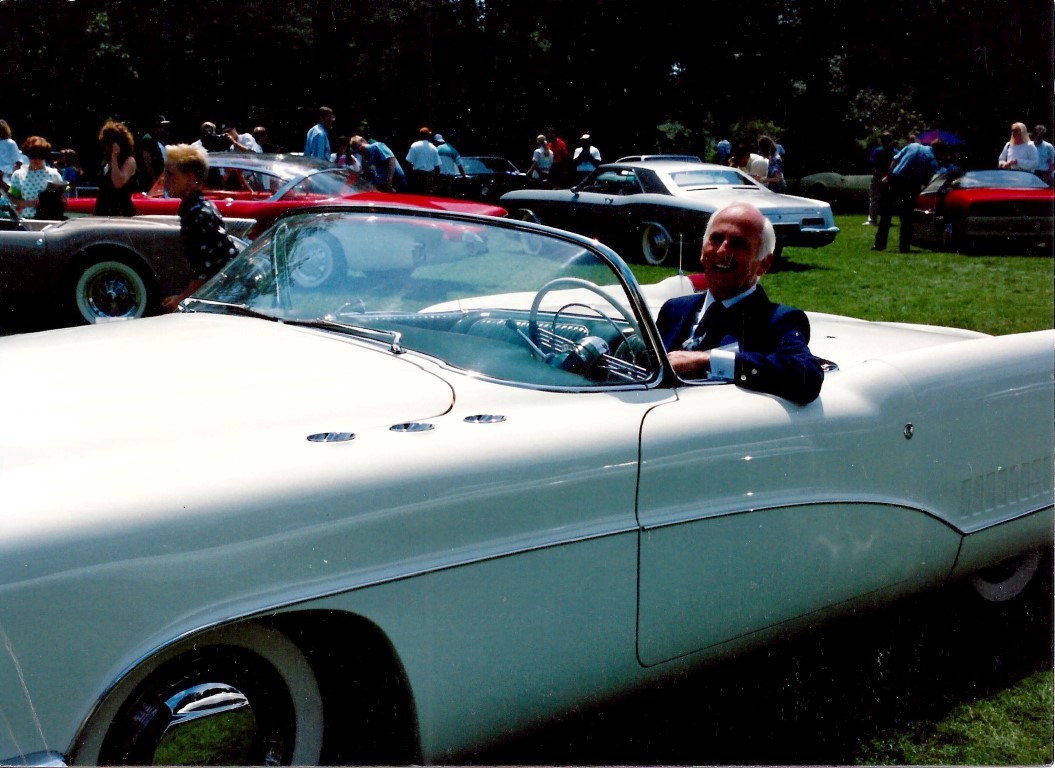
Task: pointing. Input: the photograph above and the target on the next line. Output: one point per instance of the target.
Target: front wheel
(110, 289)
(244, 696)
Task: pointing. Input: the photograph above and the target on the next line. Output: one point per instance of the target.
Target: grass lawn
(995, 294)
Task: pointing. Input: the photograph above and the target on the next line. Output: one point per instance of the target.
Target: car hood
(192, 379)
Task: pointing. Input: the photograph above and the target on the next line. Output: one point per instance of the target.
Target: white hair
(768, 244)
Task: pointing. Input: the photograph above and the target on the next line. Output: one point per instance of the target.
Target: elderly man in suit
(733, 331)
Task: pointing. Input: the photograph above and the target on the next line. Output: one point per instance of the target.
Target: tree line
(824, 76)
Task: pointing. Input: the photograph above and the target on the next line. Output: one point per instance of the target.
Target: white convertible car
(399, 520)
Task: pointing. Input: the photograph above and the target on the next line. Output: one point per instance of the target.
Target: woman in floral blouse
(30, 180)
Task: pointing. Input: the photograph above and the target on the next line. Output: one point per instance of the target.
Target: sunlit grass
(1013, 727)
(995, 294)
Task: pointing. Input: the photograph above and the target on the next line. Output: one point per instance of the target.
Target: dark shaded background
(824, 75)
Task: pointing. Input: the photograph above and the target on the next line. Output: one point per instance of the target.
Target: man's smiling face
(730, 252)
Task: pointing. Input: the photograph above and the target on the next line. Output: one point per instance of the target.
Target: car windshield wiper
(392, 338)
(235, 309)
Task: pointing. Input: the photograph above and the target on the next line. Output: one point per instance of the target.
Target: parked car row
(370, 521)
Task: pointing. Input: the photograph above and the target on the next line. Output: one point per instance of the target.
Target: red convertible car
(264, 186)
(964, 211)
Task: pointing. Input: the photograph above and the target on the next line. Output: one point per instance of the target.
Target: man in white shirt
(754, 165)
(241, 142)
(424, 161)
(586, 157)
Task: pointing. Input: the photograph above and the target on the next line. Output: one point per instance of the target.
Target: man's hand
(692, 365)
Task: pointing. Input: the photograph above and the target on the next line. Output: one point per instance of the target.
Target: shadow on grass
(785, 264)
(814, 699)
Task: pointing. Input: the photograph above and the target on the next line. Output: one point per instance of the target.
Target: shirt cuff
(723, 362)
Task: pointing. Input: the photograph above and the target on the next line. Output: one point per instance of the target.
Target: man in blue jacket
(911, 169)
(317, 142)
(733, 331)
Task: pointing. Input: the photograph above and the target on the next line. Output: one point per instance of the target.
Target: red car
(262, 187)
(962, 211)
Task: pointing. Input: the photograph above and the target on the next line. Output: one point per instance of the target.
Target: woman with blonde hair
(1019, 154)
(541, 160)
(118, 180)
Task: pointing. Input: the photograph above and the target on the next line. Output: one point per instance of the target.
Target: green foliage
(746, 133)
(875, 113)
(824, 76)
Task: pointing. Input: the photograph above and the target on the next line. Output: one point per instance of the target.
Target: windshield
(492, 297)
(999, 180)
(262, 183)
(331, 182)
(485, 165)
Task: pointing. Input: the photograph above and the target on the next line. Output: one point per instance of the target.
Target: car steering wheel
(593, 354)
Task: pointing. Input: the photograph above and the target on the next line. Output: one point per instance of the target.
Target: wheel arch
(108, 251)
(525, 214)
(368, 716)
(362, 682)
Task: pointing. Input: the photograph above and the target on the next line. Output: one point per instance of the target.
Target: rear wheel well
(367, 705)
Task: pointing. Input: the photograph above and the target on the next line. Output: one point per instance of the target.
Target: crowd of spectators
(126, 164)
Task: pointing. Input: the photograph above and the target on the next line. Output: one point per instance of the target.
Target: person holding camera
(210, 139)
(240, 142)
(118, 180)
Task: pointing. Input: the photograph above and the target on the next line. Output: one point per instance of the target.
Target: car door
(755, 512)
(598, 207)
(26, 265)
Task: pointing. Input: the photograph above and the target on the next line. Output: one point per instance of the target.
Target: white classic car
(399, 520)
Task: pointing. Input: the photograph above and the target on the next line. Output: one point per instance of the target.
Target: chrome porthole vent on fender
(485, 418)
(331, 437)
(413, 426)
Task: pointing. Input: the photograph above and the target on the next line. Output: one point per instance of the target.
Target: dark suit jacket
(774, 354)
